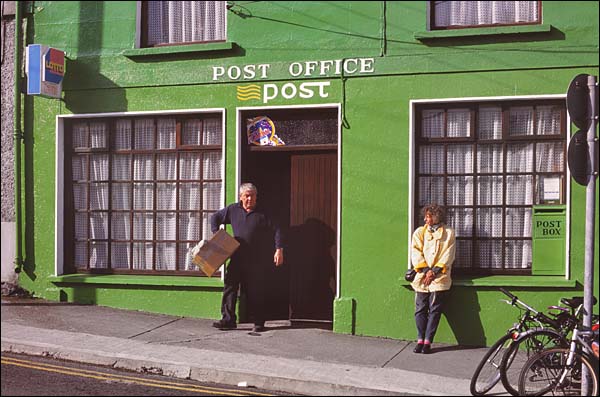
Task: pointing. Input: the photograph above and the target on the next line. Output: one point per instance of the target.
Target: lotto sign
(45, 69)
(54, 66)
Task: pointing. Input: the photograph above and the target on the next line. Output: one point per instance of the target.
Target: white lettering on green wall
(291, 90)
(247, 72)
(347, 67)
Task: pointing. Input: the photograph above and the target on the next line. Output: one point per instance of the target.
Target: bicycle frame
(564, 364)
(525, 334)
(578, 339)
(520, 330)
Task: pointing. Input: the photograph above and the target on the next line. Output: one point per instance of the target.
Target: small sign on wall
(551, 191)
(45, 69)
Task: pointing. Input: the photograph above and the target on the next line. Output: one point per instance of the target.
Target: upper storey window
(469, 14)
(183, 22)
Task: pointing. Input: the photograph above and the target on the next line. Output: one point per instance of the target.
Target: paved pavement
(299, 359)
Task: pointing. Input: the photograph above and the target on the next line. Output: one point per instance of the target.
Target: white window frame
(412, 110)
(59, 260)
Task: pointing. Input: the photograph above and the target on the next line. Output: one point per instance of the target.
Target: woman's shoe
(426, 348)
(418, 348)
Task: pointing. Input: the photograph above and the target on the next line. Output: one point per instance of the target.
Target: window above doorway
(315, 129)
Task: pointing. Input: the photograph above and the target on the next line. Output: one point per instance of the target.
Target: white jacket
(433, 250)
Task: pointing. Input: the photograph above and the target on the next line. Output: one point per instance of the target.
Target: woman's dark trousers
(428, 311)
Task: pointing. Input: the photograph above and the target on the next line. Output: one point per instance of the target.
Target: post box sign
(548, 228)
(45, 68)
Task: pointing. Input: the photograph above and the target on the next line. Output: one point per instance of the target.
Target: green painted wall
(176, 301)
(374, 299)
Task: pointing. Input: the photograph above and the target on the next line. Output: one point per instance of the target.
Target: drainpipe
(18, 136)
(383, 29)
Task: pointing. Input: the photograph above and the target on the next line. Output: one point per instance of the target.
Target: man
(257, 236)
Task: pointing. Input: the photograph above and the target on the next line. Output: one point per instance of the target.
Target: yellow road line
(103, 376)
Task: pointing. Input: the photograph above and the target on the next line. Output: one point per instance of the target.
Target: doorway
(298, 186)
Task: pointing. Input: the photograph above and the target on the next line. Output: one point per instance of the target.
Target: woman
(432, 255)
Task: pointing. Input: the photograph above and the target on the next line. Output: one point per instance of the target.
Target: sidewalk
(303, 360)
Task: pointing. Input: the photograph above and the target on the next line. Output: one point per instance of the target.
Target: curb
(201, 374)
(298, 376)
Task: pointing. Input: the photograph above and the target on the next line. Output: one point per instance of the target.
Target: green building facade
(381, 108)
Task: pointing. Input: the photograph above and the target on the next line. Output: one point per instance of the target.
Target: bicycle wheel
(519, 352)
(487, 373)
(548, 372)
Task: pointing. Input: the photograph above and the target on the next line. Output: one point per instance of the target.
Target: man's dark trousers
(252, 282)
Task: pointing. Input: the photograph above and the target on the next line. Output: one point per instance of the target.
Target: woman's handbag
(410, 275)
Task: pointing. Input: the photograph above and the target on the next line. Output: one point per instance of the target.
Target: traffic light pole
(590, 205)
(590, 211)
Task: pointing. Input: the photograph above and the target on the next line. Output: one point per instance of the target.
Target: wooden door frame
(238, 165)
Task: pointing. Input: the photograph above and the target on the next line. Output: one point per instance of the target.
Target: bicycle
(559, 370)
(525, 343)
(531, 332)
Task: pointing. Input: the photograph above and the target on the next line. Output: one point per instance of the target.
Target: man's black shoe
(258, 328)
(427, 349)
(224, 325)
(418, 348)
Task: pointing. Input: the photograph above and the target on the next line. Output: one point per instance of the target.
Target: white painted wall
(8, 252)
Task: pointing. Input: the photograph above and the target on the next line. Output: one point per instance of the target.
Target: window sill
(178, 50)
(474, 32)
(511, 281)
(164, 281)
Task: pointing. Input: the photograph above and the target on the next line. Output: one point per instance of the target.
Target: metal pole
(590, 216)
(18, 136)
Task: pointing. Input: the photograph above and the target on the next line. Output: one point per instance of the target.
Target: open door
(297, 185)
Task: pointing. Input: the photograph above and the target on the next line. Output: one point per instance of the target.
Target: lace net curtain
(473, 13)
(199, 190)
(453, 178)
(185, 21)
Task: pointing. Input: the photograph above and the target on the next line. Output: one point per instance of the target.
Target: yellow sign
(246, 92)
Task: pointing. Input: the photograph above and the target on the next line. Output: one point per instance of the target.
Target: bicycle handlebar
(514, 300)
(507, 293)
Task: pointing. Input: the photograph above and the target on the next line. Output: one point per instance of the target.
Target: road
(24, 375)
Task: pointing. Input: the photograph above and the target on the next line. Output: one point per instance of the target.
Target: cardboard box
(210, 255)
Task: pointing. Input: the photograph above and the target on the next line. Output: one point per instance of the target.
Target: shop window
(139, 192)
(469, 14)
(489, 164)
(183, 22)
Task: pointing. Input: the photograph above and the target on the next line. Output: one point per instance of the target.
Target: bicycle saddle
(576, 301)
(559, 308)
